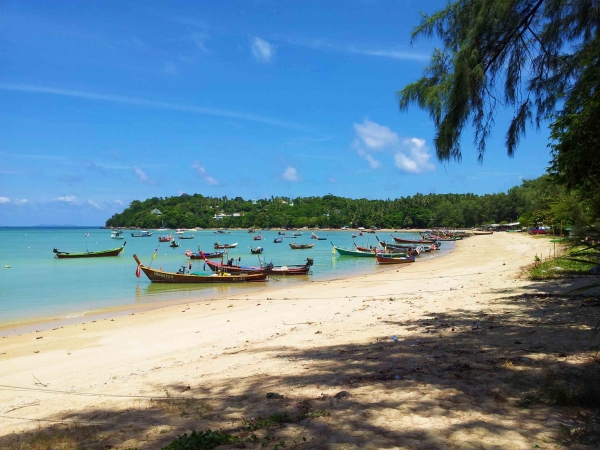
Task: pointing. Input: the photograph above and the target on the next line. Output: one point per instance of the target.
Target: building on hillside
(156, 212)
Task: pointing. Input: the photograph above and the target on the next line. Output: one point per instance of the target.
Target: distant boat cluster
(231, 270)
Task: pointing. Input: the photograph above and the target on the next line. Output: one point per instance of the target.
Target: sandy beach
(472, 336)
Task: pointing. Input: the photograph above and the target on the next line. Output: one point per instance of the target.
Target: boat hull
(301, 246)
(391, 260)
(160, 276)
(100, 254)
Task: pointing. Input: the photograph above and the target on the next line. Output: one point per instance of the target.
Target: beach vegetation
(204, 440)
(534, 201)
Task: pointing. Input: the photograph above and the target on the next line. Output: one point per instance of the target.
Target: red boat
(233, 266)
(168, 238)
(258, 237)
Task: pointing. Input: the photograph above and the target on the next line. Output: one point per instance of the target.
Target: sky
(105, 102)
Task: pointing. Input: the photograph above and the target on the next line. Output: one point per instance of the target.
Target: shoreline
(43, 323)
(309, 343)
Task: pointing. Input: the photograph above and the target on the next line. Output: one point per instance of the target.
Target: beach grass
(575, 262)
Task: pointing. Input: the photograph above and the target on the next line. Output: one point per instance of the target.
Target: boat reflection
(160, 292)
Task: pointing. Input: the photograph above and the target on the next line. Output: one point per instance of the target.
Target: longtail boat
(481, 233)
(395, 249)
(385, 259)
(233, 266)
(186, 237)
(278, 240)
(257, 250)
(87, 254)
(184, 276)
(369, 254)
(258, 237)
(218, 245)
(413, 241)
(142, 233)
(168, 238)
(190, 254)
(301, 246)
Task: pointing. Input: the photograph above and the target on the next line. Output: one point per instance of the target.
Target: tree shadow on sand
(459, 379)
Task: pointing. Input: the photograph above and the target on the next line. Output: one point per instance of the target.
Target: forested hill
(531, 202)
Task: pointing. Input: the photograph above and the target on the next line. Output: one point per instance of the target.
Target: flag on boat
(138, 271)
(156, 250)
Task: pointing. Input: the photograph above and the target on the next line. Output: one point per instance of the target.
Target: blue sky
(104, 102)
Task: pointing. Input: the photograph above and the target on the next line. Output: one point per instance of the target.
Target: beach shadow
(458, 379)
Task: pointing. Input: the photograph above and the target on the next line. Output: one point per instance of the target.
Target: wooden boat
(88, 254)
(222, 232)
(258, 237)
(413, 241)
(257, 250)
(385, 259)
(234, 266)
(369, 254)
(290, 237)
(409, 250)
(192, 255)
(278, 240)
(180, 231)
(116, 234)
(301, 246)
(536, 230)
(438, 238)
(186, 237)
(142, 233)
(160, 276)
(297, 233)
(481, 233)
(168, 238)
(174, 244)
(218, 245)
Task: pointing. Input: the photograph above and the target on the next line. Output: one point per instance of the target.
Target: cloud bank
(410, 155)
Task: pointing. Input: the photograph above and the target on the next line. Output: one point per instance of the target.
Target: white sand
(433, 389)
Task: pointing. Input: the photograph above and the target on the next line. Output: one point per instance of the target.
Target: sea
(35, 286)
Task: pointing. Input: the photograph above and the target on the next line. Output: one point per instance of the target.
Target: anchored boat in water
(88, 254)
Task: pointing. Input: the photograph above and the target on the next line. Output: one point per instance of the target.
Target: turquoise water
(37, 285)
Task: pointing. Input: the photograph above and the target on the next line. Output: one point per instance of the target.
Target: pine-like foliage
(524, 55)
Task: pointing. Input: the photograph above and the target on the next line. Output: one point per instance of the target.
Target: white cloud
(66, 199)
(4, 199)
(141, 175)
(262, 50)
(291, 174)
(20, 201)
(417, 160)
(373, 163)
(361, 49)
(149, 104)
(201, 170)
(94, 205)
(375, 136)
(118, 202)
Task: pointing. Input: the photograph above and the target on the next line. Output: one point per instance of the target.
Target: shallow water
(37, 285)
